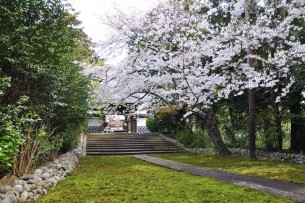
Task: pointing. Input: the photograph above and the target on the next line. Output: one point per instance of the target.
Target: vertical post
(252, 133)
(129, 124)
(252, 137)
(84, 145)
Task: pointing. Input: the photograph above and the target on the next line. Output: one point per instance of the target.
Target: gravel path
(289, 190)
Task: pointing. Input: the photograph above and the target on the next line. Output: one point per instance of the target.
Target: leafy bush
(194, 139)
(24, 141)
(11, 125)
(50, 75)
(184, 138)
(10, 142)
(201, 139)
(38, 147)
(166, 118)
(70, 138)
(152, 124)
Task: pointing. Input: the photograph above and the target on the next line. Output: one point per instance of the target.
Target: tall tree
(42, 51)
(209, 59)
(252, 137)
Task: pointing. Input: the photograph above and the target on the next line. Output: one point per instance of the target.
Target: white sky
(92, 10)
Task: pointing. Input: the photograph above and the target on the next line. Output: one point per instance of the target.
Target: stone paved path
(289, 190)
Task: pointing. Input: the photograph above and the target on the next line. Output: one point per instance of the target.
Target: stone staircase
(128, 144)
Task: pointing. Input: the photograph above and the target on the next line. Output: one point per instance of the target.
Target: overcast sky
(92, 10)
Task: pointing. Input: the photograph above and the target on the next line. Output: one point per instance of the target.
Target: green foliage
(201, 139)
(24, 141)
(169, 119)
(42, 54)
(42, 63)
(166, 119)
(111, 177)
(184, 137)
(152, 124)
(196, 138)
(5, 82)
(9, 144)
(13, 122)
(70, 138)
(39, 146)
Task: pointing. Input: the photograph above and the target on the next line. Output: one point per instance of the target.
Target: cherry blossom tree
(179, 52)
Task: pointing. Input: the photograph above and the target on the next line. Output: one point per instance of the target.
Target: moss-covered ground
(127, 179)
(269, 169)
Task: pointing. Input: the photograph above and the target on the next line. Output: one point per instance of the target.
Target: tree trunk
(269, 141)
(252, 137)
(214, 134)
(252, 133)
(297, 129)
(277, 115)
(278, 122)
(232, 132)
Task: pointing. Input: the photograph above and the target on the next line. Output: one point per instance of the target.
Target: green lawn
(270, 169)
(127, 179)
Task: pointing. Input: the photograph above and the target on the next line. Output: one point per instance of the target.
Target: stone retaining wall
(31, 186)
(297, 158)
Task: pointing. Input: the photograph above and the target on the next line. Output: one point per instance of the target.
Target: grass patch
(127, 179)
(269, 169)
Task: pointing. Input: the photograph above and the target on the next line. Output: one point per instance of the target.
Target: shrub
(24, 141)
(11, 126)
(184, 138)
(201, 139)
(38, 147)
(196, 138)
(152, 124)
(70, 138)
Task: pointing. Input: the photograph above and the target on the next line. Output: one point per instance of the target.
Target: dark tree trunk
(214, 134)
(249, 7)
(232, 120)
(269, 141)
(297, 129)
(277, 115)
(278, 122)
(252, 135)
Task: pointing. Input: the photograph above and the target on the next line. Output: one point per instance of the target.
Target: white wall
(141, 121)
(94, 122)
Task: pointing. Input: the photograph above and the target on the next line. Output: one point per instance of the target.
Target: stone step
(132, 146)
(130, 139)
(129, 144)
(126, 142)
(125, 139)
(133, 149)
(108, 136)
(133, 153)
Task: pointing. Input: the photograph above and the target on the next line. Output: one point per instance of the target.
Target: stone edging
(280, 156)
(31, 186)
(297, 158)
